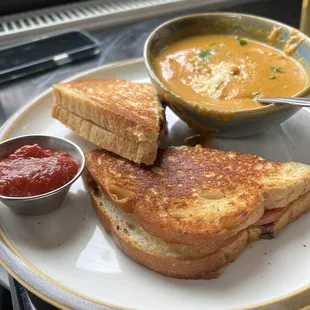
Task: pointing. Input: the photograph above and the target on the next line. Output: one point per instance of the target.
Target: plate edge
(5, 130)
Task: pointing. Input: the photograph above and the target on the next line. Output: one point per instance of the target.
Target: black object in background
(22, 299)
(5, 299)
(46, 53)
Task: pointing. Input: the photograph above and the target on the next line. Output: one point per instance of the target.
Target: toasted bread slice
(173, 260)
(283, 183)
(141, 152)
(198, 196)
(290, 213)
(117, 115)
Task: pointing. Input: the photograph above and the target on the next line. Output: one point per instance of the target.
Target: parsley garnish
(272, 77)
(228, 53)
(243, 42)
(222, 45)
(206, 54)
(212, 44)
(277, 69)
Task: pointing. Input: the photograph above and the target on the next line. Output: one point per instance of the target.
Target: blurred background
(120, 27)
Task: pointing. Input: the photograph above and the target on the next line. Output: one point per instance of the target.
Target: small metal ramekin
(43, 203)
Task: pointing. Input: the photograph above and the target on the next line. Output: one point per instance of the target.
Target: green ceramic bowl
(224, 123)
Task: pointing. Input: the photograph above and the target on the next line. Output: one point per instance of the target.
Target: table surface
(120, 43)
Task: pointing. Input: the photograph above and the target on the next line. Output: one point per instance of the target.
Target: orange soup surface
(226, 72)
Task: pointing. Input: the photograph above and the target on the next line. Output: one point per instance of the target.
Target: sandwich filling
(274, 220)
(270, 216)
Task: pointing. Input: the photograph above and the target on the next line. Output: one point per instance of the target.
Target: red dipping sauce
(31, 171)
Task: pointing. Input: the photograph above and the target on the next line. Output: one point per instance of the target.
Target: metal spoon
(297, 101)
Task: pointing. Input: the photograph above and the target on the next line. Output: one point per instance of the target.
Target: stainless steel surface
(44, 203)
(90, 14)
(298, 101)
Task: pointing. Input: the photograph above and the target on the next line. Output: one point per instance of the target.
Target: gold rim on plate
(6, 129)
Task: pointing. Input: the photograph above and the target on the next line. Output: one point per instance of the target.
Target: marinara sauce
(31, 171)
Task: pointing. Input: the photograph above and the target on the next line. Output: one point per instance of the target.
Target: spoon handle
(298, 101)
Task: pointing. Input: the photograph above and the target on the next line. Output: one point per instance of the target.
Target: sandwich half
(117, 115)
(196, 198)
(169, 259)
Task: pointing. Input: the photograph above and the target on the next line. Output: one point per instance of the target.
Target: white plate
(66, 257)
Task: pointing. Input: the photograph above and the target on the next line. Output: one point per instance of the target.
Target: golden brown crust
(181, 198)
(130, 110)
(139, 152)
(203, 267)
(198, 196)
(191, 237)
(292, 212)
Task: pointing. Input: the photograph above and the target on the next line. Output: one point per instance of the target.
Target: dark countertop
(117, 43)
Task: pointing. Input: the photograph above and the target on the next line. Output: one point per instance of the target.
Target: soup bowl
(226, 123)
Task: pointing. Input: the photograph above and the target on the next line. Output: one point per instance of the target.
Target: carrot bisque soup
(227, 73)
